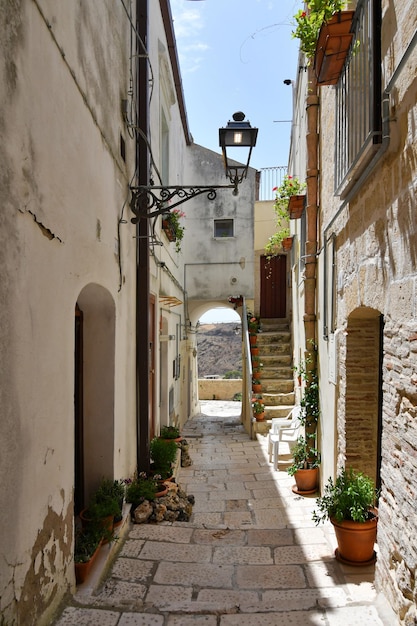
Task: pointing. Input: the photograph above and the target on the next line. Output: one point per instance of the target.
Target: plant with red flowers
(308, 23)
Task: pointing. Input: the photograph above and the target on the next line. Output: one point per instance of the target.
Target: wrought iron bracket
(152, 201)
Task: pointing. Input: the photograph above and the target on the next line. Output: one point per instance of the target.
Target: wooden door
(273, 300)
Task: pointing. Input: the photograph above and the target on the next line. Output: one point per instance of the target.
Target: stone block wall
(218, 389)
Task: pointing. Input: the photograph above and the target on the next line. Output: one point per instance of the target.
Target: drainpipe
(142, 253)
(312, 104)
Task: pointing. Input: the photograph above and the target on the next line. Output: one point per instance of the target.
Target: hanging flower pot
(333, 44)
(168, 227)
(287, 243)
(296, 206)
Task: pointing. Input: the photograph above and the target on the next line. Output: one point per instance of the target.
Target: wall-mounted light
(151, 201)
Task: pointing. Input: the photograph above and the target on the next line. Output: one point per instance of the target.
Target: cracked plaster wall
(60, 176)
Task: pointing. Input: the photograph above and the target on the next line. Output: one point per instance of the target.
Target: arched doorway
(363, 402)
(94, 356)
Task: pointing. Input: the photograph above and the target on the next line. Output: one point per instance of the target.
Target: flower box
(168, 230)
(296, 206)
(333, 44)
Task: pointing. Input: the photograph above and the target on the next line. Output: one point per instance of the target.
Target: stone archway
(363, 401)
(96, 376)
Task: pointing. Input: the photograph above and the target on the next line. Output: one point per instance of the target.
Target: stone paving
(250, 554)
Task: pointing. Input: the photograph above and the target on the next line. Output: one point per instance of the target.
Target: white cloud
(188, 25)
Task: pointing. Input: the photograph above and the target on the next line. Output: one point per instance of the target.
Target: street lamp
(151, 201)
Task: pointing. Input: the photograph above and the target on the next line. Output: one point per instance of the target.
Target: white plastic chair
(283, 430)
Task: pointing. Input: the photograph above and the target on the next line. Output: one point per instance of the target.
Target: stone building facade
(360, 149)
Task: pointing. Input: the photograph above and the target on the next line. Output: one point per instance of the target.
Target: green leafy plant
(349, 497)
(310, 408)
(141, 488)
(86, 543)
(290, 186)
(308, 23)
(253, 324)
(170, 432)
(258, 407)
(173, 219)
(305, 455)
(107, 499)
(163, 454)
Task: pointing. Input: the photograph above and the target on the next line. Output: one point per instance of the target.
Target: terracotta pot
(105, 523)
(287, 243)
(256, 388)
(82, 570)
(355, 540)
(254, 351)
(333, 44)
(296, 206)
(306, 480)
(260, 416)
(256, 375)
(252, 340)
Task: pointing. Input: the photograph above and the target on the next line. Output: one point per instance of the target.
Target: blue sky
(234, 56)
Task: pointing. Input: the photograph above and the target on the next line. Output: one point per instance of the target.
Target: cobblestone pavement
(250, 555)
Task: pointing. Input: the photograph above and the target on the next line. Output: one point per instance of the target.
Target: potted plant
(170, 432)
(102, 510)
(349, 504)
(282, 239)
(258, 408)
(172, 227)
(111, 490)
(253, 325)
(141, 488)
(306, 461)
(163, 454)
(256, 386)
(87, 545)
(324, 34)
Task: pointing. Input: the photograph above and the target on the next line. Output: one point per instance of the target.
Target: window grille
(223, 228)
(358, 98)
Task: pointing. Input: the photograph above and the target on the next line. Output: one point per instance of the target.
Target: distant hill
(219, 349)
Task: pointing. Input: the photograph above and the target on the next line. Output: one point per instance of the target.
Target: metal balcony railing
(270, 177)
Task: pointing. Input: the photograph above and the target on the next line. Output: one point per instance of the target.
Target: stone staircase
(277, 378)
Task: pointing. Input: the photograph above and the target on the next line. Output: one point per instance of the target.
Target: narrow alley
(249, 555)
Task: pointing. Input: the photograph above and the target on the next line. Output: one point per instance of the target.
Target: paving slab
(250, 555)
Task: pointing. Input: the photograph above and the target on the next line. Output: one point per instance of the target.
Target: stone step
(274, 323)
(275, 348)
(277, 386)
(276, 337)
(275, 360)
(278, 399)
(277, 373)
(277, 411)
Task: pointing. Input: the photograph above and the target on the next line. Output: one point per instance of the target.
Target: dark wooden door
(273, 299)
